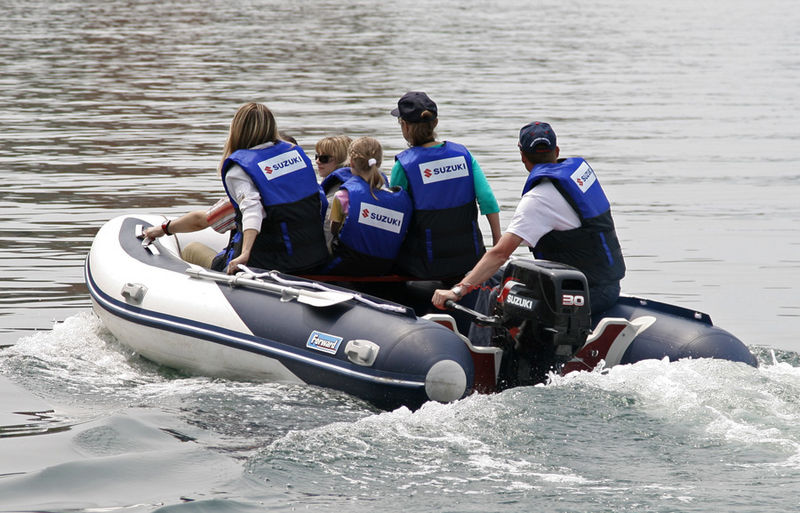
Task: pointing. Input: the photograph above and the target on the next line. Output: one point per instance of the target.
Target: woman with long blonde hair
(275, 194)
(244, 131)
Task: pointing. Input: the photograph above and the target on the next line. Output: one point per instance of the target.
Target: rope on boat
(274, 276)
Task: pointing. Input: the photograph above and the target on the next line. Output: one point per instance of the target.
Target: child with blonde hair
(368, 219)
(332, 166)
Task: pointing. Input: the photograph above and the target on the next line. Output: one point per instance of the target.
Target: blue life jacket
(444, 239)
(223, 258)
(291, 239)
(593, 247)
(333, 181)
(373, 230)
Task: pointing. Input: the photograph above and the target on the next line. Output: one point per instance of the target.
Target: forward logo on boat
(282, 164)
(381, 217)
(323, 342)
(444, 169)
(584, 177)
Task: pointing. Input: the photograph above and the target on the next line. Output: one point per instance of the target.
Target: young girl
(331, 157)
(368, 220)
(331, 154)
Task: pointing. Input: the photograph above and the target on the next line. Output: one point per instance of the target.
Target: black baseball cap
(411, 106)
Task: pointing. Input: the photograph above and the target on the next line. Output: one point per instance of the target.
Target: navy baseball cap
(411, 106)
(537, 136)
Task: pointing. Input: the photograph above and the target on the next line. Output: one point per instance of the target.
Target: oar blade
(322, 299)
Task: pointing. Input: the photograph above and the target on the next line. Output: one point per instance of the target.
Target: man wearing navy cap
(563, 216)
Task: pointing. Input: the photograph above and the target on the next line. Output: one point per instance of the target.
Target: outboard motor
(545, 316)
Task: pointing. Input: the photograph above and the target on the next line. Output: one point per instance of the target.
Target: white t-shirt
(246, 195)
(540, 211)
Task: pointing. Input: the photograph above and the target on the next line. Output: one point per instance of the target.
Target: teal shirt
(483, 192)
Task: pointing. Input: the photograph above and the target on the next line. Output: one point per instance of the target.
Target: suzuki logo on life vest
(380, 217)
(584, 177)
(520, 301)
(324, 342)
(282, 164)
(444, 169)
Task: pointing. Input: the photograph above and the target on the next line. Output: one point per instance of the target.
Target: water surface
(686, 110)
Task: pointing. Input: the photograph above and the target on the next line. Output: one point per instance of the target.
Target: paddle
(307, 297)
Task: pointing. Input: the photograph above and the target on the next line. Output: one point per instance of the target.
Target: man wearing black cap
(563, 216)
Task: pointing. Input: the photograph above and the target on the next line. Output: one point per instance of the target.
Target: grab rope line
(273, 275)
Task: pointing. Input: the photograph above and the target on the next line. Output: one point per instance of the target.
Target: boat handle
(134, 292)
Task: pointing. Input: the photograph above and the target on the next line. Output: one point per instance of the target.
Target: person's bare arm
(494, 223)
(191, 222)
(483, 270)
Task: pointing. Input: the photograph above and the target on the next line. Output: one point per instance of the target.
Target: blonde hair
(366, 155)
(336, 146)
(423, 131)
(253, 124)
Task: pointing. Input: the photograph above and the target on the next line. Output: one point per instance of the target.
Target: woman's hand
(441, 296)
(153, 232)
(248, 239)
(233, 265)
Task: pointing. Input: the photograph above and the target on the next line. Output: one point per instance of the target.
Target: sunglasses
(323, 159)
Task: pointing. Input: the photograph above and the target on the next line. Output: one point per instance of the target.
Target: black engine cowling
(544, 307)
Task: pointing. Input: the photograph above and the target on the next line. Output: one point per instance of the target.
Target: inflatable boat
(391, 349)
